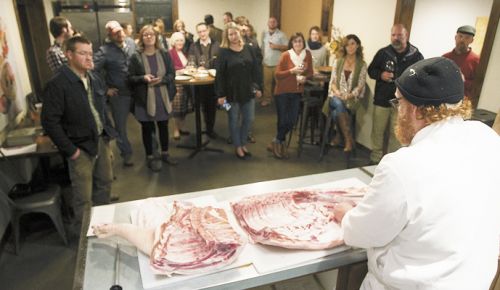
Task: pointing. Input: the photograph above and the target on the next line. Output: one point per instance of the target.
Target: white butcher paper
(152, 212)
(267, 258)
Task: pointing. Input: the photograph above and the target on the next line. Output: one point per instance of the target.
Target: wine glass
(389, 66)
(202, 62)
(191, 64)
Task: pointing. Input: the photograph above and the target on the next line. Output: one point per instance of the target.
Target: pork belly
(294, 219)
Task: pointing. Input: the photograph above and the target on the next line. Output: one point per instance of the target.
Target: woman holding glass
(151, 75)
(347, 86)
(294, 67)
(238, 82)
(180, 102)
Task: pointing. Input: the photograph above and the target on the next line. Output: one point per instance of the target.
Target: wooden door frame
(39, 38)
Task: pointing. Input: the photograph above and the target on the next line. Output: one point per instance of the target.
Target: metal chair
(47, 201)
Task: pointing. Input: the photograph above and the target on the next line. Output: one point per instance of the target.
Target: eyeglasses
(148, 35)
(85, 53)
(395, 102)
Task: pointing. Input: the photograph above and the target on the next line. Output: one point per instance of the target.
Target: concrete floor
(45, 263)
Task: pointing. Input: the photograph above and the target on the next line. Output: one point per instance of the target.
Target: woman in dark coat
(152, 78)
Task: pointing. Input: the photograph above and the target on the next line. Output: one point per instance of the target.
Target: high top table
(200, 145)
(95, 261)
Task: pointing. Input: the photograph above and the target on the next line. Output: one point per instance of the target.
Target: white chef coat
(432, 217)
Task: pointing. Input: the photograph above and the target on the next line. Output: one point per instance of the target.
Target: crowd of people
(418, 103)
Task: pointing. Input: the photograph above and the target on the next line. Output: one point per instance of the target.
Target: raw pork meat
(192, 240)
(294, 219)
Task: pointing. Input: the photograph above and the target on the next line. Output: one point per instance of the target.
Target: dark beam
(327, 17)
(275, 10)
(489, 39)
(404, 13)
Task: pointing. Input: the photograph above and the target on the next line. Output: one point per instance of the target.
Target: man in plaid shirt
(61, 29)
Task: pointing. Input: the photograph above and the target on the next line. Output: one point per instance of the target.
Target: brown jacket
(286, 82)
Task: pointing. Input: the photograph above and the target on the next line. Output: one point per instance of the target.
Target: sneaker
(169, 160)
(154, 164)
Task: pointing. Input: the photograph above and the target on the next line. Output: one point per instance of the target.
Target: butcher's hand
(340, 210)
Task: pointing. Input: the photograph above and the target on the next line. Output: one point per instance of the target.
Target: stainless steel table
(95, 262)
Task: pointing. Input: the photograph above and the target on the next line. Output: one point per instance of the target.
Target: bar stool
(47, 201)
(326, 133)
(311, 113)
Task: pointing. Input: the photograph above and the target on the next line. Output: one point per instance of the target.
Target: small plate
(212, 72)
(182, 78)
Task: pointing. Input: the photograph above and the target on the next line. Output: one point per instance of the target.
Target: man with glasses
(74, 116)
(204, 51)
(388, 64)
(112, 60)
(426, 224)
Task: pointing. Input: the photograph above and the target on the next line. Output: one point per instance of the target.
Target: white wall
(193, 11)
(374, 32)
(490, 94)
(435, 23)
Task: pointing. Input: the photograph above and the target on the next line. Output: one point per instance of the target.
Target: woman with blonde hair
(347, 86)
(159, 26)
(180, 103)
(180, 26)
(151, 76)
(238, 82)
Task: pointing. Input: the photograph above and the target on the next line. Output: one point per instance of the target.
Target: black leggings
(148, 128)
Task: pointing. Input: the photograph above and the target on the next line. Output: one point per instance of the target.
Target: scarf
(313, 45)
(297, 59)
(151, 96)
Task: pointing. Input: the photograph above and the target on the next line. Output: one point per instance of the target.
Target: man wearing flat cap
(424, 223)
(112, 60)
(464, 57)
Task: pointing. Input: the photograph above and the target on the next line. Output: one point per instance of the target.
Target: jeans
(287, 109)
(149, 136)
(383, 117)
(239, 132)
(337, 106)
(120, 107)
(269, 83)
(91, 179)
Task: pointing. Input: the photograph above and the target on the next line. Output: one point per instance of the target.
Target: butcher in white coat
(432, 217)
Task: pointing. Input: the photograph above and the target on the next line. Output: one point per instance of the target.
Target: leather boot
(277, 150)
(284, 151)
(337, 140)
(345, 126)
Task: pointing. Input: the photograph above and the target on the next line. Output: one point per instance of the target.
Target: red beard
(404, 129)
